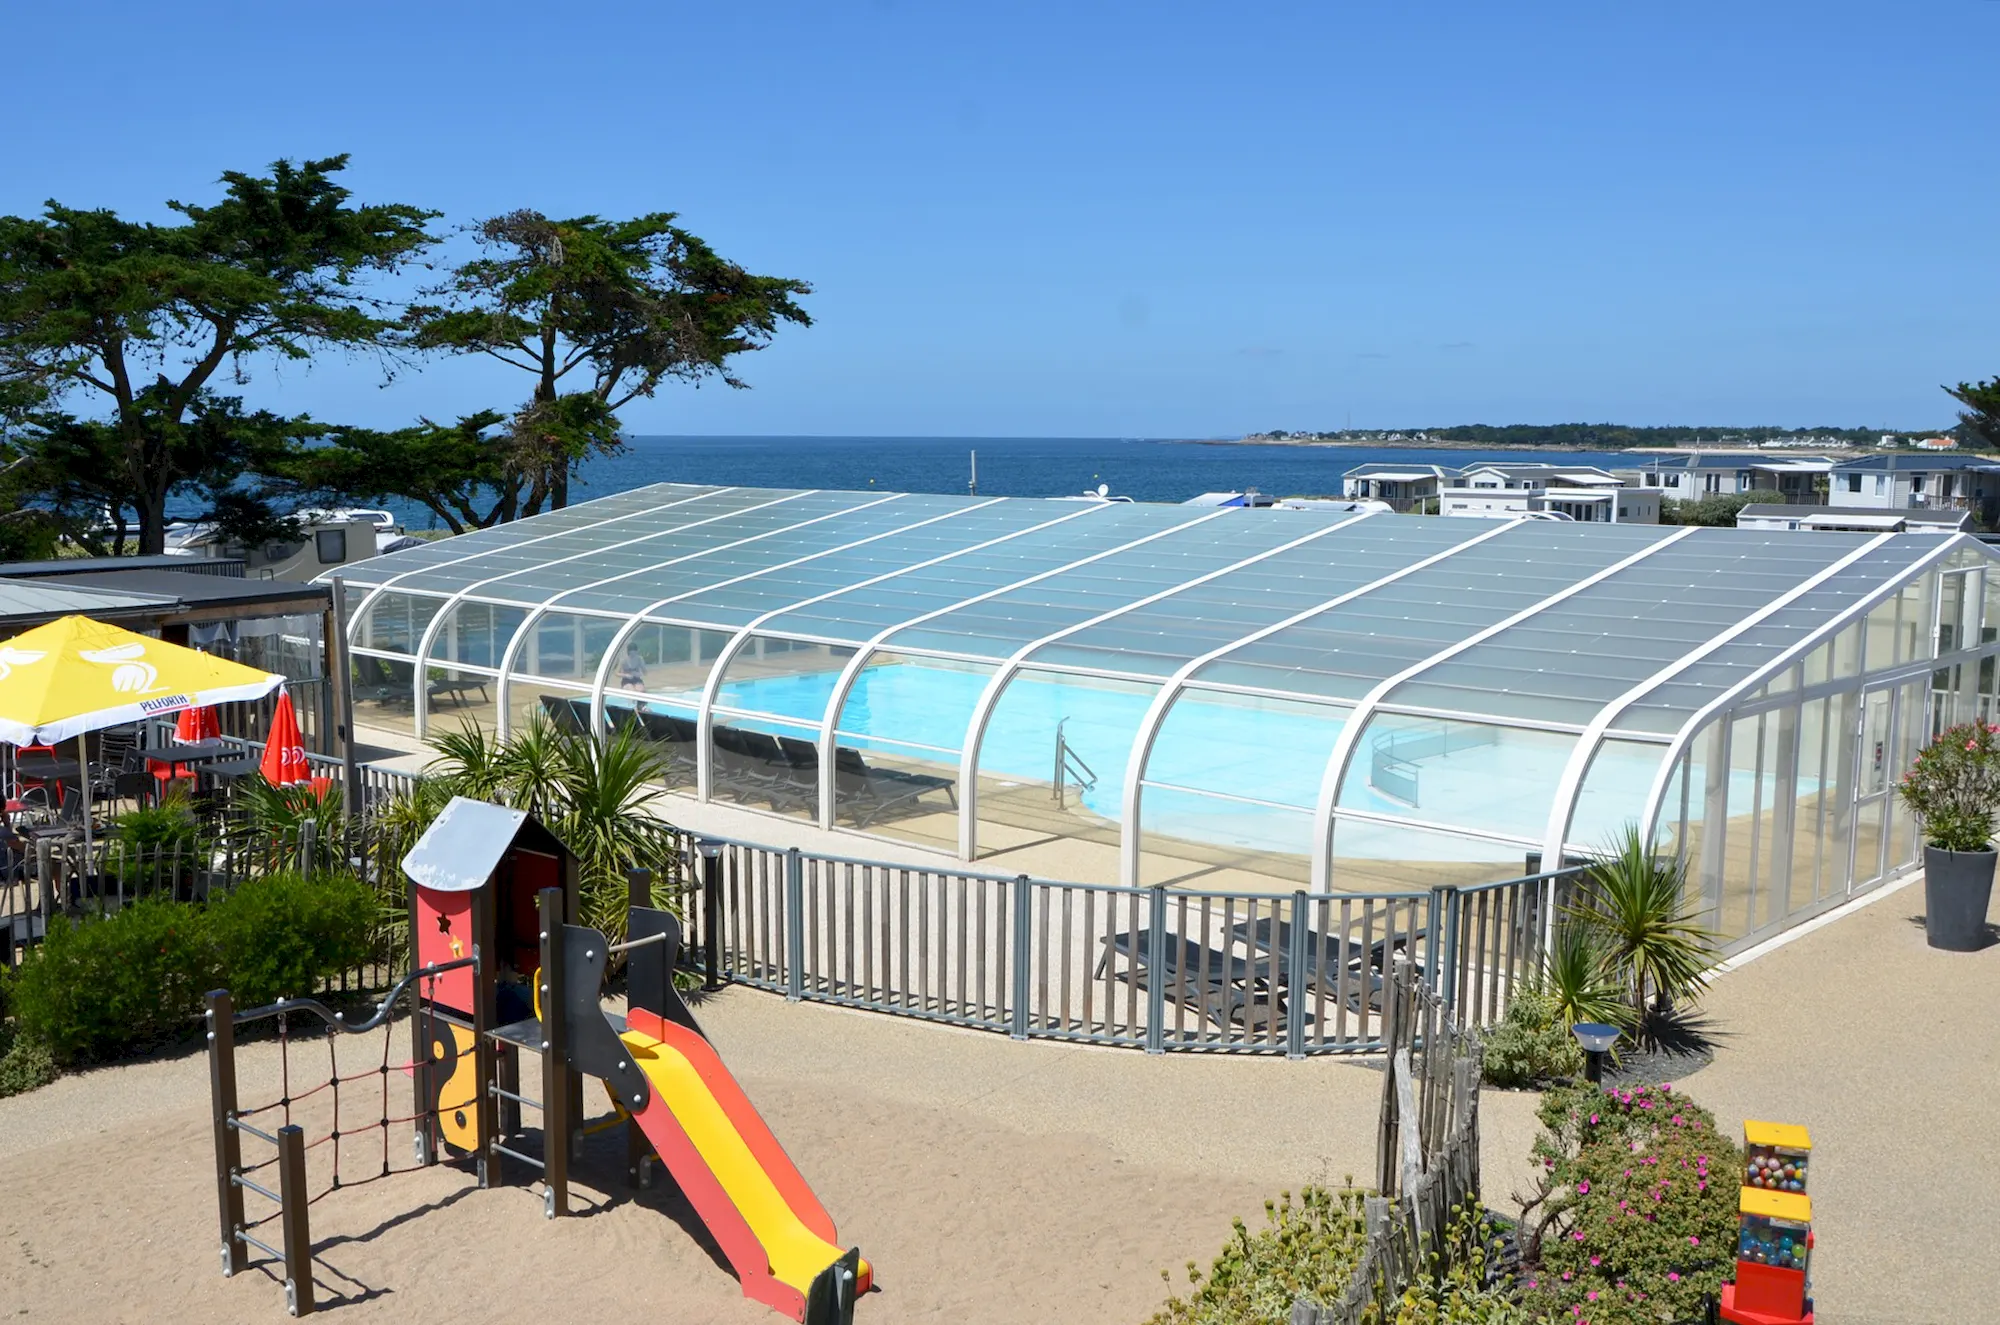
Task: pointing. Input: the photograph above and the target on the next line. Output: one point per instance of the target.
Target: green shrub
(1531, 1043)
(279, 936)
(1310, 1248)
(102, 987)
(1636, 1220)
(162, 829)
(24, 1064)
(1954, 787)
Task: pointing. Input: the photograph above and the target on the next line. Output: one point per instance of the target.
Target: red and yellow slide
(777, 1236)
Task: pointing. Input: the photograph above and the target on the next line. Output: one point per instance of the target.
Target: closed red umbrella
(198, 724)
(284, 749)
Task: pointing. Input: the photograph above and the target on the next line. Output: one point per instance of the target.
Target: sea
(1144, 469)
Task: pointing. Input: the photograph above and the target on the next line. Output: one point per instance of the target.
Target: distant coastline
(1841, 449)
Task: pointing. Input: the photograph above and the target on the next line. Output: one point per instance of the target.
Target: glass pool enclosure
(1262, 700)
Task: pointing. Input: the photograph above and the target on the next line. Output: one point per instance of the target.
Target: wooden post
(555, 1053)
(294, 1215)
(222, 1108)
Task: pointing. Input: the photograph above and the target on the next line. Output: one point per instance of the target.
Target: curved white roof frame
(1357, 722)
(624, 629)
(1700, 718)
(1176, 684)
(1563, 808)
(845, 682)
(705, 729)
(638, 619)
(989, 695)
(361, 609)
(420, 697)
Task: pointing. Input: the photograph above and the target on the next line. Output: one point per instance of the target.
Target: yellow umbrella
(75, 675)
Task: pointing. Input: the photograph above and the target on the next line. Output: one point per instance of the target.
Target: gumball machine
(1774, 1237)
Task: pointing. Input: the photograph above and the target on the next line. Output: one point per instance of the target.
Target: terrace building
(1692, 475)
(1920, 482)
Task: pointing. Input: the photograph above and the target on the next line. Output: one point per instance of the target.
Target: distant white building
(1403, 487)
(1692, 475)
(1931, 482)
(1600, 505)
(1852, 519)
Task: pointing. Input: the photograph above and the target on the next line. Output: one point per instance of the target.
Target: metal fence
(1150, 968)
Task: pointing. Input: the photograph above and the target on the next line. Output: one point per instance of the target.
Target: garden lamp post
(1596, 1039)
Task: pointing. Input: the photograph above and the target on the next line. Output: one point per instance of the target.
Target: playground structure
(493, 895)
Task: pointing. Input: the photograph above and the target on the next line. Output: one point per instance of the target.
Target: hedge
(104, 987)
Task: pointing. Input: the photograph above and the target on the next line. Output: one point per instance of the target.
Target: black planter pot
(1957, 887)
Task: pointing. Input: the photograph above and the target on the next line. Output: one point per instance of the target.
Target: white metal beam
(1693, 726)
(361, 611)
(705, 720)
(1571, 782)
(1357, 722)
(989, 695)
(1174, 685)
(535, 616)
(423, 652)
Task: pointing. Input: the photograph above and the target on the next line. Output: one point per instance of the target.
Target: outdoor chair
(1328, 954)
(869, 792)
(563, 713)
(1231, 991)
(374, 681)
(676, 739)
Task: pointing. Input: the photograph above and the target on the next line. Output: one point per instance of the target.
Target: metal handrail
(339, 1019)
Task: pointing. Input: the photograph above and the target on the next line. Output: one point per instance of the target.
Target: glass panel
(1819, 664)
(1989, 629)
(1914, 634)
(1842, 748)
(395, 622)
(1956, 598)
(1868, 843)
(1462, 774)
(1876, 755)
(1398, 857)
(570, 646)
(1052, 764)
(767, 761)
(1881, 631)
(566, 708)
(1708, 818)
(1231, 784)
(477, 633)
(1808, 810)
(1776, 795)
(384, 694)
(672, 665)
(1614, 791)
(784, 678)
(1740, 829)
(900, 734)
(456, 698)
(1670, 836)
(1847, 651)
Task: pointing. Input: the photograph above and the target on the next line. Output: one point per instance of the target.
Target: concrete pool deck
(996, 1181)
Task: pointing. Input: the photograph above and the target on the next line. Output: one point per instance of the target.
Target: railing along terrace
(1153, 968)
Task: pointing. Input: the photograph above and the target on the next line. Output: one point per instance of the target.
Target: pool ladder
(1070, 768)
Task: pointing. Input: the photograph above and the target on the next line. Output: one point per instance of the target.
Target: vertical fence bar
(555, 1056)
(1156, 980)
(711, 916)
(228, 1143)
(795, 931)
(1297, 979)
(1445, 908)
(1023, 950)
(294, 1215)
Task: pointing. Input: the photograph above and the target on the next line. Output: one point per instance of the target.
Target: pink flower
(1532, 1283)
(1592, 1295)
(1693, 1241)
(1566, 1275)
(1578, 1235)
(1583, 1188)
(1593, 1120)
(1673, 1276)
(1594, 1261)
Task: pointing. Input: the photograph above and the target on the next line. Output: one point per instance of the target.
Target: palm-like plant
(279, 815)
(1579, 981)
(608, 788)
(1633, 905)
(536, 766)
(468, 763)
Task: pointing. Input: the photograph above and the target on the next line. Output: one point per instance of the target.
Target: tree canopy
(1980, 417)
(599, 313)
(144, 316)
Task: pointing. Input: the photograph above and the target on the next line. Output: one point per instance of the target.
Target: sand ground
(995, 1181)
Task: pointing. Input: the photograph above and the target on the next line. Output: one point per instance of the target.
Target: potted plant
(1954, 788)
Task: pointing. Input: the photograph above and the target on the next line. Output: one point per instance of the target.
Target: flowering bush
(1954, 787)
(1310, 1248)
(1635, 1219)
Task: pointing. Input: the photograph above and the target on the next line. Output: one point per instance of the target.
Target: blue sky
(1143, 220)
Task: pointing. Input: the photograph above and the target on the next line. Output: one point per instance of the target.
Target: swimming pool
(1225, 769)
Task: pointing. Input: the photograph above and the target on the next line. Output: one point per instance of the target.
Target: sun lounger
(1227, 989)
(869, 792)
(1328, 954)
(570, 716)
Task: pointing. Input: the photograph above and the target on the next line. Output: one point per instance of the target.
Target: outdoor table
(46, 768)
(188, 752)
(230, 768)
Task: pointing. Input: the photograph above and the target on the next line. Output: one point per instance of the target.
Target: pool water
(1271, 752)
